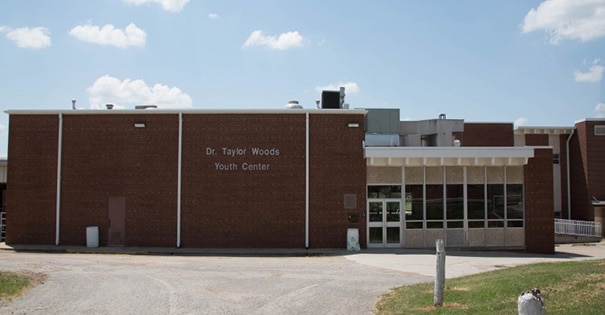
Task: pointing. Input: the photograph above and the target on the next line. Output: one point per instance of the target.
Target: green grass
(12, 285)
(568, 288)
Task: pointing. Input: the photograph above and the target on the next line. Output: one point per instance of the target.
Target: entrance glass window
(384, 221)
(414, 213)
(495, 205)
(514, 205)
(476, 206)
(380, 192)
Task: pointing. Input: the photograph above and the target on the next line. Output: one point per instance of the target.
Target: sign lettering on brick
(232, 152)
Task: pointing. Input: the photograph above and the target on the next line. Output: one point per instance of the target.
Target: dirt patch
(459, 289)
(34, 279)
(446, 305)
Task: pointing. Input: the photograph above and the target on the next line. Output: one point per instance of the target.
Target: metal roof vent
(293, 105)
(109, 106)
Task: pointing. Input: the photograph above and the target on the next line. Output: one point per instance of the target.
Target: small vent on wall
(599, 130)
(350, 201)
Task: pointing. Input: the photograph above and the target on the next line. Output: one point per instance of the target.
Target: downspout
(568, 175)
(178, 183)
(58, 198)
(307, 181)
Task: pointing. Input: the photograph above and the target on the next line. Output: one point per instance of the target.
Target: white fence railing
(580, 228)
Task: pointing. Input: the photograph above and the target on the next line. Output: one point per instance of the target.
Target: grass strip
(576, 287)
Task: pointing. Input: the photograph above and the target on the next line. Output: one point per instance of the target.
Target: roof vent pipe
(109, 106)
(293, 105)
(441, 116)
(73, 104)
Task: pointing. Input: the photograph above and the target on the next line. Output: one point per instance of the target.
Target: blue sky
(538, 63)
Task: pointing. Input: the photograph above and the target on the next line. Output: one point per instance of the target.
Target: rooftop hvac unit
(330, 99)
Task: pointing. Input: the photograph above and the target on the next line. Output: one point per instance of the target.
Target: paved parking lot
(116, 281)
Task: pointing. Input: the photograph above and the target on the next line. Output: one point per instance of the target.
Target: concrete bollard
(531, 303)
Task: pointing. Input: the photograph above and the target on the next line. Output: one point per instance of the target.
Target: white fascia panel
(453, 156)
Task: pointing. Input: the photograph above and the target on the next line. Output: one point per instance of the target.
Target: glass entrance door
(384, 223)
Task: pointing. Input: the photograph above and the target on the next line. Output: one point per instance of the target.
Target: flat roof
(589, 119)
(183, 111)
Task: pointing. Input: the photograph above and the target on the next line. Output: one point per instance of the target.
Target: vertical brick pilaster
(539, 203)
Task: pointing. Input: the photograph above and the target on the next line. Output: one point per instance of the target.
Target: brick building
(287, 178)
(578, 166)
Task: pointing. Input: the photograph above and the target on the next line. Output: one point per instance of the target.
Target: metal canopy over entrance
(448, 156)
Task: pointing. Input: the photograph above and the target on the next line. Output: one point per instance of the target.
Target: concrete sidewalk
(421, 262)
(462, 263)
(174, 251)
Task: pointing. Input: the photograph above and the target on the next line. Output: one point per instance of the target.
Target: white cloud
(350, 87)
(213, 16)
(600, 110)
(567, 19)
(168, 5)
(282, 42)
(521, 121)
(25, 37)
(594, 74)
(109, 35)
(107, 89)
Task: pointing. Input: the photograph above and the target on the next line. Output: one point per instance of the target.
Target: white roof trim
(527, 130)
(183, 111)
(448, 156)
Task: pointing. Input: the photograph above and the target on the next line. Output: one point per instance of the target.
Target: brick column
(539, 204)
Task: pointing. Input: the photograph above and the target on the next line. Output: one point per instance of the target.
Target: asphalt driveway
(152, 284)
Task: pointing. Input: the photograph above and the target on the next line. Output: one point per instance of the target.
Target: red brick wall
(587, 169)
(237, 207)
(580, 207)
(595, 159)
(536, 140)
(563, 164)
(488, 135)
(104, 156)
(32, 179)
(337, 167)
(539, 204)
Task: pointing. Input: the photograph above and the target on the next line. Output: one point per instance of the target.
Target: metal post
(307, 187)
(58, 197)
(179, 184)
(440, 275)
